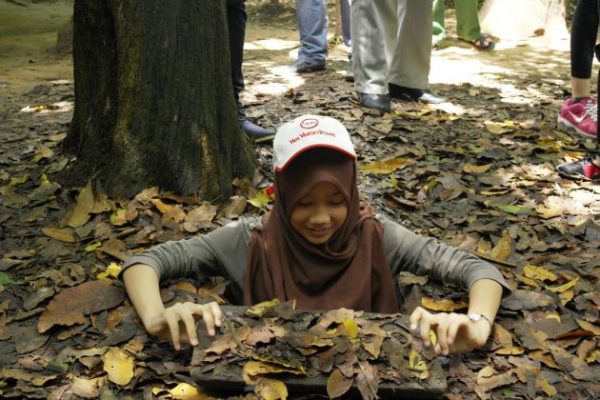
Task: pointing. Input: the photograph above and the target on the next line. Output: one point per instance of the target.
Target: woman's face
(318, 215)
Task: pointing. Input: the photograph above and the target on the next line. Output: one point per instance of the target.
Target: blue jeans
(312, 24)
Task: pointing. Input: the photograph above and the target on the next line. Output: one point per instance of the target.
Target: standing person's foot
(379, 102)
(410, 94)
(300, 66)
(585, 169)
(349, 70)
(482, 43)
(580, 116)
(255, 132)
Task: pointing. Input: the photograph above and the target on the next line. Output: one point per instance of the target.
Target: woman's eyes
(335, 202)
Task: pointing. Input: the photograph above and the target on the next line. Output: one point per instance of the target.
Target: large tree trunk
(522, 19)
(154, 101)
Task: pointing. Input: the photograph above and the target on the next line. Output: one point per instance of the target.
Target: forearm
(142, 285)
(484, 298)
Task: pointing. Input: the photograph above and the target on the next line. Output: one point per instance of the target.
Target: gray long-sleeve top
(224, 252)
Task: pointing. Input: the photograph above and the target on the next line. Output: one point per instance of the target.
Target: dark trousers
(236, 25)
(583, 38)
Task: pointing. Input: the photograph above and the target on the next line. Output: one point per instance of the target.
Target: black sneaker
(584, 169)
(301, 67)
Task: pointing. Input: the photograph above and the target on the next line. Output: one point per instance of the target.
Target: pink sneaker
(580, 117)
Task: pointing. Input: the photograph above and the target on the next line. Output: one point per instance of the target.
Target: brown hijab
(350, 270)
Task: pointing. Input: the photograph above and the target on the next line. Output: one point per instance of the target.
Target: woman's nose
(320, 216)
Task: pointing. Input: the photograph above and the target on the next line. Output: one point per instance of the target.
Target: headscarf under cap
(350, 270)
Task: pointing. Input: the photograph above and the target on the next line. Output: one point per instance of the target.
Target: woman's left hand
(455, 333)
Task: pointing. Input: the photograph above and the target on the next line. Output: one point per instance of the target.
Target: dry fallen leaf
(184, 391)
(70, 305)
(350, 328)
(418, 365)
(200, 218)
(119, 366)
(271, 389)
(64, 235)
(445, 305)
(476, 169)
(87, 388)
(260, 200)
(112, 270)
(503, 249)
(83, 208)
(384, 167)
(338, 384)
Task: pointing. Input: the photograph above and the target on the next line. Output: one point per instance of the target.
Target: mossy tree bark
(154, 102)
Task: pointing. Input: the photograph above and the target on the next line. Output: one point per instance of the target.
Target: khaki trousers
(391, 42)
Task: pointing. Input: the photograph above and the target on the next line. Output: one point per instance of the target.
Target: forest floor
(477, 172)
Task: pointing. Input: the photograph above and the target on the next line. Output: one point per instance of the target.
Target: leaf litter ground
(476, 172)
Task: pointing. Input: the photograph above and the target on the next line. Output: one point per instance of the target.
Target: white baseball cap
(308, 132)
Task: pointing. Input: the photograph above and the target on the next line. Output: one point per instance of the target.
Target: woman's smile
(319, 214)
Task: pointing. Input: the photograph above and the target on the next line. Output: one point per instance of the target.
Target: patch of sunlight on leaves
(112, 271)
(119, 366)
(384, 167)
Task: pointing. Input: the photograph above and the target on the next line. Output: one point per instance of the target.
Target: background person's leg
(236, 26)
(411, 57)
(345, 9)
(583, 39)
(312, 27)
(373, 24)
(439, 25)
(578, 113)
(467, 21)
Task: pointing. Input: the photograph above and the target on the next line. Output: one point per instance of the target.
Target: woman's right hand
(178, 322)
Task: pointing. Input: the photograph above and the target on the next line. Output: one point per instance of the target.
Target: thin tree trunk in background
(154, 102)
(338, 18)
(522, 19)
